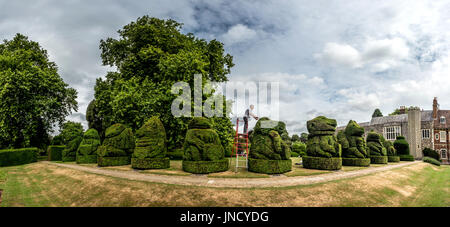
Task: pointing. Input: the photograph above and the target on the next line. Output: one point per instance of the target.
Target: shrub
(427, 152)
(406, 158)
(401, 145)
(204, 167)
(393, 159)
(298, 148)
(176, 154)
(378, 159)
(55, 152)
(70, 151)
(352, 141)
(356, 162)
(374, 145)
(87, 151)
(321, 140)
(117, 147)
(269, 166)
(151, 146)
(294, 155)
(432, 161)
(322, 163)
(202, 142)
(12, 157)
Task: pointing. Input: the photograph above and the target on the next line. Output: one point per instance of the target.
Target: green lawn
(39, 184)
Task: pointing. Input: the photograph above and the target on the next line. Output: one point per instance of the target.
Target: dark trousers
(245, 124)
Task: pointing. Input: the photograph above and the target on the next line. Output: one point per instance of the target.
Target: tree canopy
(150, 56)
(377, 113)
(33, 97)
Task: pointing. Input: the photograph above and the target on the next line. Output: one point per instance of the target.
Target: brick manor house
(421, 128)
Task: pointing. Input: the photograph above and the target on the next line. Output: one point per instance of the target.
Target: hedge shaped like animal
(402, 147)
(322, 148)
(117, 147)
(267, 142)
(87, 151)
(390, 150)
(203, 151)
(378, 153)
(70, 151)
(151, 146)
(269, 153)
(354, 151)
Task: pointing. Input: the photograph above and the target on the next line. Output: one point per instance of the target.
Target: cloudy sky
(341, 59)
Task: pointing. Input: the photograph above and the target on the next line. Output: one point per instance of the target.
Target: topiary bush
(428, 152)
(151, 146)
(378, 153)
(55, 152)
(322, 148)
(402, 147)
(299, 148)
(13, 157)
(432, 161)
(390, 149)
(353, 145)
(176, 154)
(294, 154)
(69, 153)
(267, 144)
(87, 151)
(202, 146)
(117, 147)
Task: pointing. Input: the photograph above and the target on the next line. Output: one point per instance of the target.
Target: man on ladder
(248, 114)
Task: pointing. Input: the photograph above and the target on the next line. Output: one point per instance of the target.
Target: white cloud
(238, 33)
(340, 55)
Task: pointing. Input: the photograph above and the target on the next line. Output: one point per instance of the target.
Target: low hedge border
(13, 157)
(113, 161)
(378, 159)
(203, 167)
(175, 155)
(365, 162)
(393, 158)
(150, 163)
(55, 152)
(86, 159)
(406, 157)
(322, 163)
(42, 158)
(69, 159)
(432, 161)
(269, 166)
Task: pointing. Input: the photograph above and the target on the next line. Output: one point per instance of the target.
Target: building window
(425, 133)
(442, 120)
(443, 154)
(443, 136)
(391, 132)
(436, 136)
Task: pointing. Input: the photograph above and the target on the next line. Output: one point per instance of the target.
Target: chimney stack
(402, 110)
(435, 108)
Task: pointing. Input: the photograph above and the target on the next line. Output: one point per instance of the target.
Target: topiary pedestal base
(113, 161)
(150, 163)
(406, 157)
(202, 167)
(393, 159)
(269, 166)
(86, 159)
(365, 162)
(378, 159)
(68, 159)
(322, 163)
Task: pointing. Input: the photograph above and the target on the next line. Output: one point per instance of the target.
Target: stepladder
(241, 148)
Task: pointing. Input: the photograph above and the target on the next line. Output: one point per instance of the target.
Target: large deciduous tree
(33, 97)
(150, 56)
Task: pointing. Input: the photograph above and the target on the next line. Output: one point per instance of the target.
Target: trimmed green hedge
(294, 154)
(322, 163)
(432, 161)
(113, 161)
(55, 152)
(42, 158)
(12, 157)
(393, 158)
(203, 167)
(86, 159)
(365, 162)
(378, 159)
(150, 163)
(176, 154)
(406, 158)
(69, 159)
(269, 166)
(428, 152)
